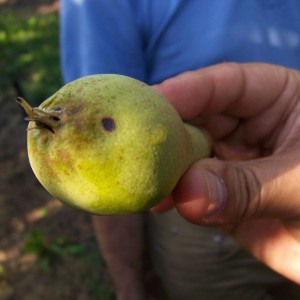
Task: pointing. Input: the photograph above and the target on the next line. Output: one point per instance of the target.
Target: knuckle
(244, 192)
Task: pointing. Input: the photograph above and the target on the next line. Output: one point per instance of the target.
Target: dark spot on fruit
(108, 124)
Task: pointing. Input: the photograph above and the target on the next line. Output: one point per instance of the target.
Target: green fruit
(109, 144)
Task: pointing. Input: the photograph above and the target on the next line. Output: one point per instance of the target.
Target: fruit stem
(201, 142)
(48, 120)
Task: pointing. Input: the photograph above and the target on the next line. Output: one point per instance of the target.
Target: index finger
(239, 90)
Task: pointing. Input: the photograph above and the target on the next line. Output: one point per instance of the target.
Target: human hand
(251, 188)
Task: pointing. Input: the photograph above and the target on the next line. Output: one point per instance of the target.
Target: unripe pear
(109, 144)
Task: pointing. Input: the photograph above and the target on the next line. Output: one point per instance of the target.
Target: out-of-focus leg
(121, 243)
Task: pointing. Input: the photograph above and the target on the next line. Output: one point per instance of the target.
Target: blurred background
(47, 250)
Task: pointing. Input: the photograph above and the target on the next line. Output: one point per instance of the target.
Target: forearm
(121, 242)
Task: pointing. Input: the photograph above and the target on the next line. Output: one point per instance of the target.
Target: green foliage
(2, 271)
(100, 290)
(53, 251)
(29, 51)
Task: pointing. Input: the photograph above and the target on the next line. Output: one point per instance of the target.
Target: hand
(252, 186)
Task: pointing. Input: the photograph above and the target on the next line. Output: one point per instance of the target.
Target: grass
(51, 252)
(29, 51)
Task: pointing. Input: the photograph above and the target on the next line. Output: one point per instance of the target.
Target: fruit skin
(109, 144)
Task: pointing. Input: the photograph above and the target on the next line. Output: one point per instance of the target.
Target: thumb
(228, 192)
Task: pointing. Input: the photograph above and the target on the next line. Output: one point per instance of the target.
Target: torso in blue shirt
(152, 40)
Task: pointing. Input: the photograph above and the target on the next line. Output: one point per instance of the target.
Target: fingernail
(217, 195)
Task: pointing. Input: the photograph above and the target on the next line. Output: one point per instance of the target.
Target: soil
(29, 213)
(27, 208)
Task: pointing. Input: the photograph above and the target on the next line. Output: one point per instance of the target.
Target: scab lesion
(108, 124)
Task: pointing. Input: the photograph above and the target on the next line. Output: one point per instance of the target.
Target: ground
(47, 250)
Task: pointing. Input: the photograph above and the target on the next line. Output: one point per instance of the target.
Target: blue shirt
(152, 40)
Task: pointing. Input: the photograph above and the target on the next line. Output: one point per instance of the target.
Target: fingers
(271, 242)
(227, 193)
(251, 112)
(200, 196)
(240, 105)
(256, 201)
(227, 87)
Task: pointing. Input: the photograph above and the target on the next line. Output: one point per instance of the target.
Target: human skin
(121, 242)
(251, 185)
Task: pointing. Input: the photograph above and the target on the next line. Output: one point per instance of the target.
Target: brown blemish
(75, 109)
(108, 123)
(60, 163)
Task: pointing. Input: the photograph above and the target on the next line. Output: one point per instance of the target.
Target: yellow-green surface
(127, 168)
